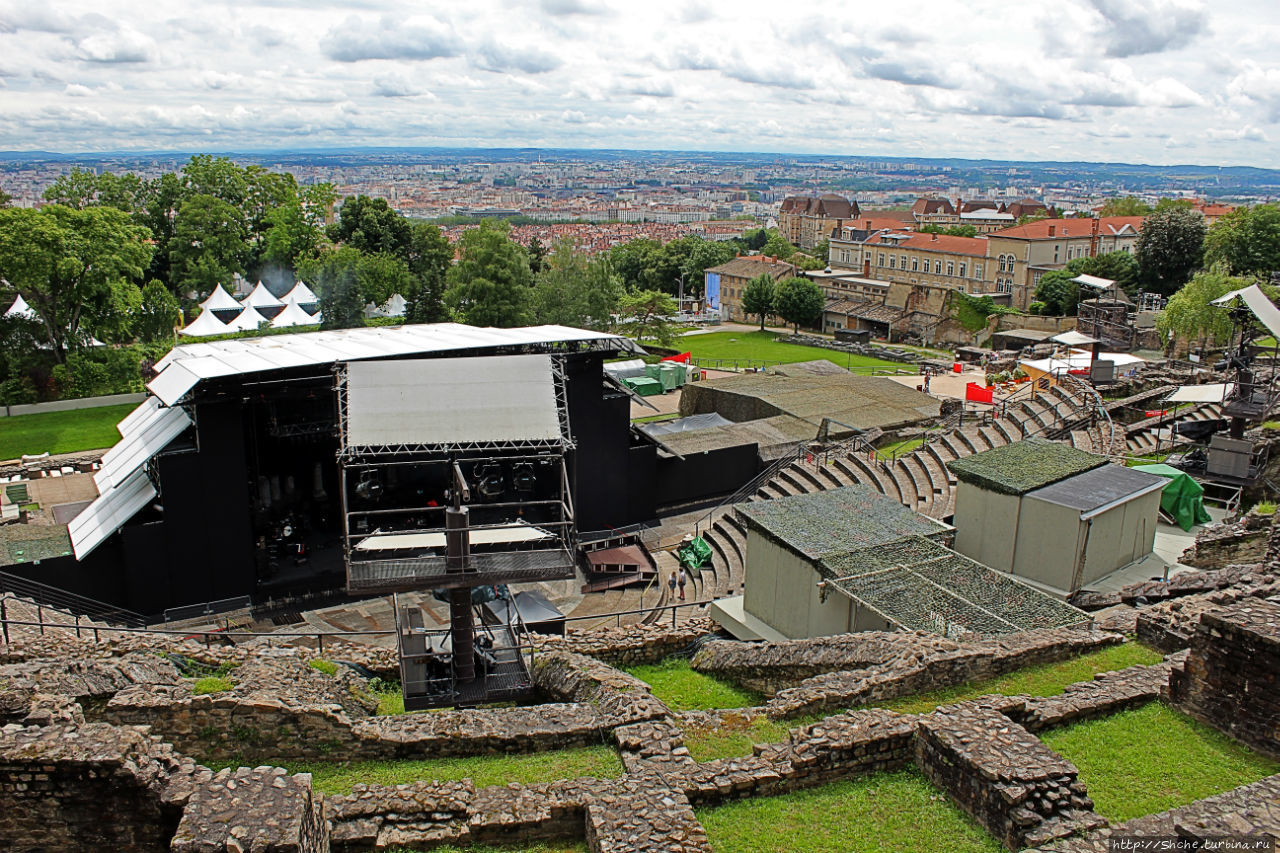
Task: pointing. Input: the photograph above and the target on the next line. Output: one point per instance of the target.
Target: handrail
(73, 603)
(1099, 406)
(751, 485)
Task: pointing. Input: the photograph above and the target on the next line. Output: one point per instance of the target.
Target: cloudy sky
(1153, 81)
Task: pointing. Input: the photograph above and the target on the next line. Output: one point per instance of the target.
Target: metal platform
(380, 577)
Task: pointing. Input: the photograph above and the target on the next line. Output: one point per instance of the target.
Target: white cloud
(935, 77)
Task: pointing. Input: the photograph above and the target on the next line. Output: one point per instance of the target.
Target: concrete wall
(985, 524)
(782, 591)
(69, 405)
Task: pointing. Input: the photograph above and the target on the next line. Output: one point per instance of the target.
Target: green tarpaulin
(644, 387)
(694, 554)
(1182, 498)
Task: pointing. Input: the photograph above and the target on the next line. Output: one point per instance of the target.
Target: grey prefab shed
(1058, 517)
(787, 537)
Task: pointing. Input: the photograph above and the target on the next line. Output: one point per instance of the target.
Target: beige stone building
(959, 263)
(807, 222)
(725, 283)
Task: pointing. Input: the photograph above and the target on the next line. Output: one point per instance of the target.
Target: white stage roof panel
(482, 536)
(1215, 393)
(217, 358)
(1262, 307)
(109, 512)
(451, 401)
(144, 437)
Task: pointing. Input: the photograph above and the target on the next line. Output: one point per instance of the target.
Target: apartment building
(1019, 256)
(958, 263)
(806, 222)
(725, 283)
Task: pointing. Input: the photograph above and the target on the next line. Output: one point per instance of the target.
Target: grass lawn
(736, 736)
(897, 812)
(1153, 758)
(760, 346)
(900, 447)
(338, 777)
(1048, 679)
(61, 432)
(683, 689)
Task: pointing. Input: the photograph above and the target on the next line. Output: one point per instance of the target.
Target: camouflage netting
(1023, 466)
(920, 585)
(844, 519)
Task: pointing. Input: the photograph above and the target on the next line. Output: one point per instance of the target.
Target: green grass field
(898, 812)
(760, 346)
(338, 777)
(1153, 758)
(683, 689)
(61, 432)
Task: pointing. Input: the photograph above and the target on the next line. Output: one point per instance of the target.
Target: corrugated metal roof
(184, 366)
(1099, 487)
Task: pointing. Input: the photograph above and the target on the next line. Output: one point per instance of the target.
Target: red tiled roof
(938, 243)
(1108, 226)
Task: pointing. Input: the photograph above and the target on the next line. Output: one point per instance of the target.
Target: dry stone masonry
(262, 809)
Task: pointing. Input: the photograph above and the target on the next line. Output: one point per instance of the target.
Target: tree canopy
(758, 296)
(1170, 248)
(1129, 205)
(491, 283)
(1061, 295)
(1247, 240)
(1189, 314)
(574, 290)
(646, 316)
(798, 300)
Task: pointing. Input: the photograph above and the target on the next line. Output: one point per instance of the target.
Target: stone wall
(1230, 678)
(260, 809)
(619, 698)
(1243, 541)
(922, 673)
(631, 645)
(90, 788)
(1024, 793)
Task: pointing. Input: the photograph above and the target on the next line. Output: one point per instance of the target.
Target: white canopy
(1094, 281)
(393, 307)
(1079, 360)
(262, 298)
(207, 323)
(293, 315)
(301, 294)
(247, 321)
(1214, 393)
(1073, 339)
(1262, 308)
(519, 532)
(220, 300)
(20, 308)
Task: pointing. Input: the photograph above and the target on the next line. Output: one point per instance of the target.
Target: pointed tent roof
(20, 308)
(206, 324)
(301, 294)
(294, 315)
(247, 321)
(220, 300)
(393, 307)
(262, 298)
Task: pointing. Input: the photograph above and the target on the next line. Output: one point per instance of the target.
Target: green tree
(5, 198)
(219, 177)
(490, 284)
(798, 300)
(574, 290)
(1061, 295)
(689, 258)
(430, 256)
(1032, 217)
(113, 316)
(290, 235)
(953, 230)
(757, 297)
(776, 246)
(208, 244)
(370, 225)
(159, 208)
(639, 263)
(646, 316)
(379, 277)
(335, 277)
(65, 261)
(265, 191)
(537, 255)
(1165, 203)
(1247, 240)
(1169, 248)
(1190, 314)
(1129, 205)
(158, 314)
(76, 189)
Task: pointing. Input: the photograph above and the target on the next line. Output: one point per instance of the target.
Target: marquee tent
(301, 294)
(247, 321)
(294, 315)
(262, 298)
(20, 308)
(206, 324)
(220, 300)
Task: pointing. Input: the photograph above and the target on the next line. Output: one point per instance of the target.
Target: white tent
(294, 315)
(262, 298)
(206, 324)
(20, 308)
(393, 307)
(301, 294)
(248, 320)
(220, 300)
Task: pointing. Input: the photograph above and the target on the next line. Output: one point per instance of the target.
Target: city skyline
(1151, 81)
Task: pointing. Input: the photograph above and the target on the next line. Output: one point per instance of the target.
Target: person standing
(671, 583)
(683, 579)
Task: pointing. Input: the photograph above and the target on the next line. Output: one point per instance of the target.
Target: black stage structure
(233, 479)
